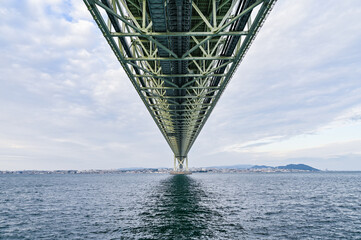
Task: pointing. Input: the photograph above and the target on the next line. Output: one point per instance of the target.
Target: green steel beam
(200, 58)
(179, 103)
(178, 34)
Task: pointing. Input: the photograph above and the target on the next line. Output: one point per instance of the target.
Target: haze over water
(201, 206)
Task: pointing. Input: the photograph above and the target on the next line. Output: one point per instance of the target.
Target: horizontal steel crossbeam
(179, 54)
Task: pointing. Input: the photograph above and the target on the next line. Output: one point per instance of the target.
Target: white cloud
(301, 75)
(65, 101)
(327, 139)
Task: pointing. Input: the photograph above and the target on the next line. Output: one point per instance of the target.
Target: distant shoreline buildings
(230, 169)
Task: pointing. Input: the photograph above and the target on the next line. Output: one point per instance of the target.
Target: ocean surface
(201, 206)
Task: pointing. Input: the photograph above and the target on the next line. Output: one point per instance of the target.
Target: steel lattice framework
(180, 55)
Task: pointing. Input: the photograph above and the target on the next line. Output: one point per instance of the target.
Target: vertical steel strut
(180, 56)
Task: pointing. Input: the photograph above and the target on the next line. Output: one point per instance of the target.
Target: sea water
(325, 205)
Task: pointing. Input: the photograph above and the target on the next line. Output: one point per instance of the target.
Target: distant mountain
(260, 167)
(240, 166)
(298, 167)
(289, 167)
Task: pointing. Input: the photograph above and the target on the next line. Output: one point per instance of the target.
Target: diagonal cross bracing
(179, 55)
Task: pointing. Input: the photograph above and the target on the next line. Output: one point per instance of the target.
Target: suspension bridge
(180, 56)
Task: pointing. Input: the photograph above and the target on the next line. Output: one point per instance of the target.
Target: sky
(66, 103)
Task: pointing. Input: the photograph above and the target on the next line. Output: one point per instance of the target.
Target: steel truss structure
(180, 55)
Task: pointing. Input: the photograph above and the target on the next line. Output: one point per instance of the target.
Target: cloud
(297, 78)
(65, 100)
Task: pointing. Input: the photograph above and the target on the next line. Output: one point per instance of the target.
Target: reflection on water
(177, 208)
(200, 206)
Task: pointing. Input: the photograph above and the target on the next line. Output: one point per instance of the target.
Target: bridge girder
(180, 55)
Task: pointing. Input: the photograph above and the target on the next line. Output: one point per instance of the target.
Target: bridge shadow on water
(178, 209)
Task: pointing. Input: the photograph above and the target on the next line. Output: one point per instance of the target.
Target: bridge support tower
(180, 165)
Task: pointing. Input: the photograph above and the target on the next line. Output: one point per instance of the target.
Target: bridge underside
(179, 55)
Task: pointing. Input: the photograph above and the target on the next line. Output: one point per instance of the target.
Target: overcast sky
(66, 103)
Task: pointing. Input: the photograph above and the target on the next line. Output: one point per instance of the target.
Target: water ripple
(200, 206)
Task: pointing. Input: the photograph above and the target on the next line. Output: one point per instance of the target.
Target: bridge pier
(180, 165)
